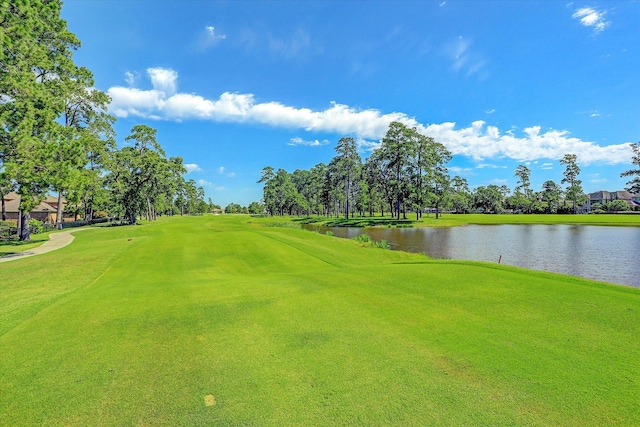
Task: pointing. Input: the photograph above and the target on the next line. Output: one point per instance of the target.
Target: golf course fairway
(220, 320)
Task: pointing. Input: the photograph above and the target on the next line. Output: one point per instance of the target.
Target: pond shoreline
(603, 253)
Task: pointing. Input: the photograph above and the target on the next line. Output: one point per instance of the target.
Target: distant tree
(550, 194)
(523, 196)
(616, 206)
(440, 180)
(269, 190)
(133, 169)
(489, 198)
(460, 195)
(348, 164)
(634, 184)
(255, 208)
(396, 151)
(378, 176)
(233, 208)
(574, 190)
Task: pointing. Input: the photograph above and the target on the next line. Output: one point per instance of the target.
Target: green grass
(13, 245)
(601, 219)
(452, 220)
(136, 325)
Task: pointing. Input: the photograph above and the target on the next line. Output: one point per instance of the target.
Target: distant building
(45, 211)
(600, 198)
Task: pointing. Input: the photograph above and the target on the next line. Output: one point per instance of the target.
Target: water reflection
(610, 254)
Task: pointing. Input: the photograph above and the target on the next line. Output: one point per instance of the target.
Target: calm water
(611, 254)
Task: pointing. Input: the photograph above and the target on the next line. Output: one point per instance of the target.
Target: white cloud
(489, 166)
(590, 17)
(131, 78)
(192, 167)
(459, 170)
(479, 141)
(222, 171)
(204, 183)
(209, 37)
(314, 143)
(547, 166)
(364, 145)
(163, 80)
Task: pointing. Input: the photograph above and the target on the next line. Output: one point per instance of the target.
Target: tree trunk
(24, 226)
(4, 210)
(59, 212)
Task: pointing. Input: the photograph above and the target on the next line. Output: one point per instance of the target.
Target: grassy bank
(222, 321)
(452, 220)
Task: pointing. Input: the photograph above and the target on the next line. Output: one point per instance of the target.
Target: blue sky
(234, 86)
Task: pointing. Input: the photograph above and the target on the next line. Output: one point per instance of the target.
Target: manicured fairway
(222, 321)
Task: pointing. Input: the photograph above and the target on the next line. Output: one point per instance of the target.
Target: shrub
(364, 238)
(329, 233)
(35, 226)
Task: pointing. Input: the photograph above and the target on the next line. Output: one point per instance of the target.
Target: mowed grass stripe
(286, 327)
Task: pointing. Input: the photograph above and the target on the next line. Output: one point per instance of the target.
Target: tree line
(56, 134)
(408, 173)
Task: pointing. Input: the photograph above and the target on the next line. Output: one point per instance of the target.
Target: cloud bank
(478, 141)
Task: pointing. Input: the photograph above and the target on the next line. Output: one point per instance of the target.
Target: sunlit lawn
(13, 245)
(222, 321)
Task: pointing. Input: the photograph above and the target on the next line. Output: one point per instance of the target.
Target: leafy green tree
(36, 57)
(255, 208)
(348, 164)
(379, 176)
(132, 169)
(315, 184)
(373, 176)
(396, 151)
(439, 176)
(489, 199)
(574, 190)
(461, 197)
(302, 181)
(269, 190)
(523, 195)
(634, 184)
(551, 193)
(616, 206)
(87, 134)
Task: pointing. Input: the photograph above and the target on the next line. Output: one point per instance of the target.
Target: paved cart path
(56, 241)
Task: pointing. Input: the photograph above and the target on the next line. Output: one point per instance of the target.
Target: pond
(610, 254)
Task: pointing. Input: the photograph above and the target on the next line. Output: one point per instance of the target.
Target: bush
(364, 238)
(35, 226)
(329, 233)
(616, 206)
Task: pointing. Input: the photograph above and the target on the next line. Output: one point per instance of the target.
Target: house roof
(612, 195)
(12, 204)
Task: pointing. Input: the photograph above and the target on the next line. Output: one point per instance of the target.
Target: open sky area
(234, 86)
